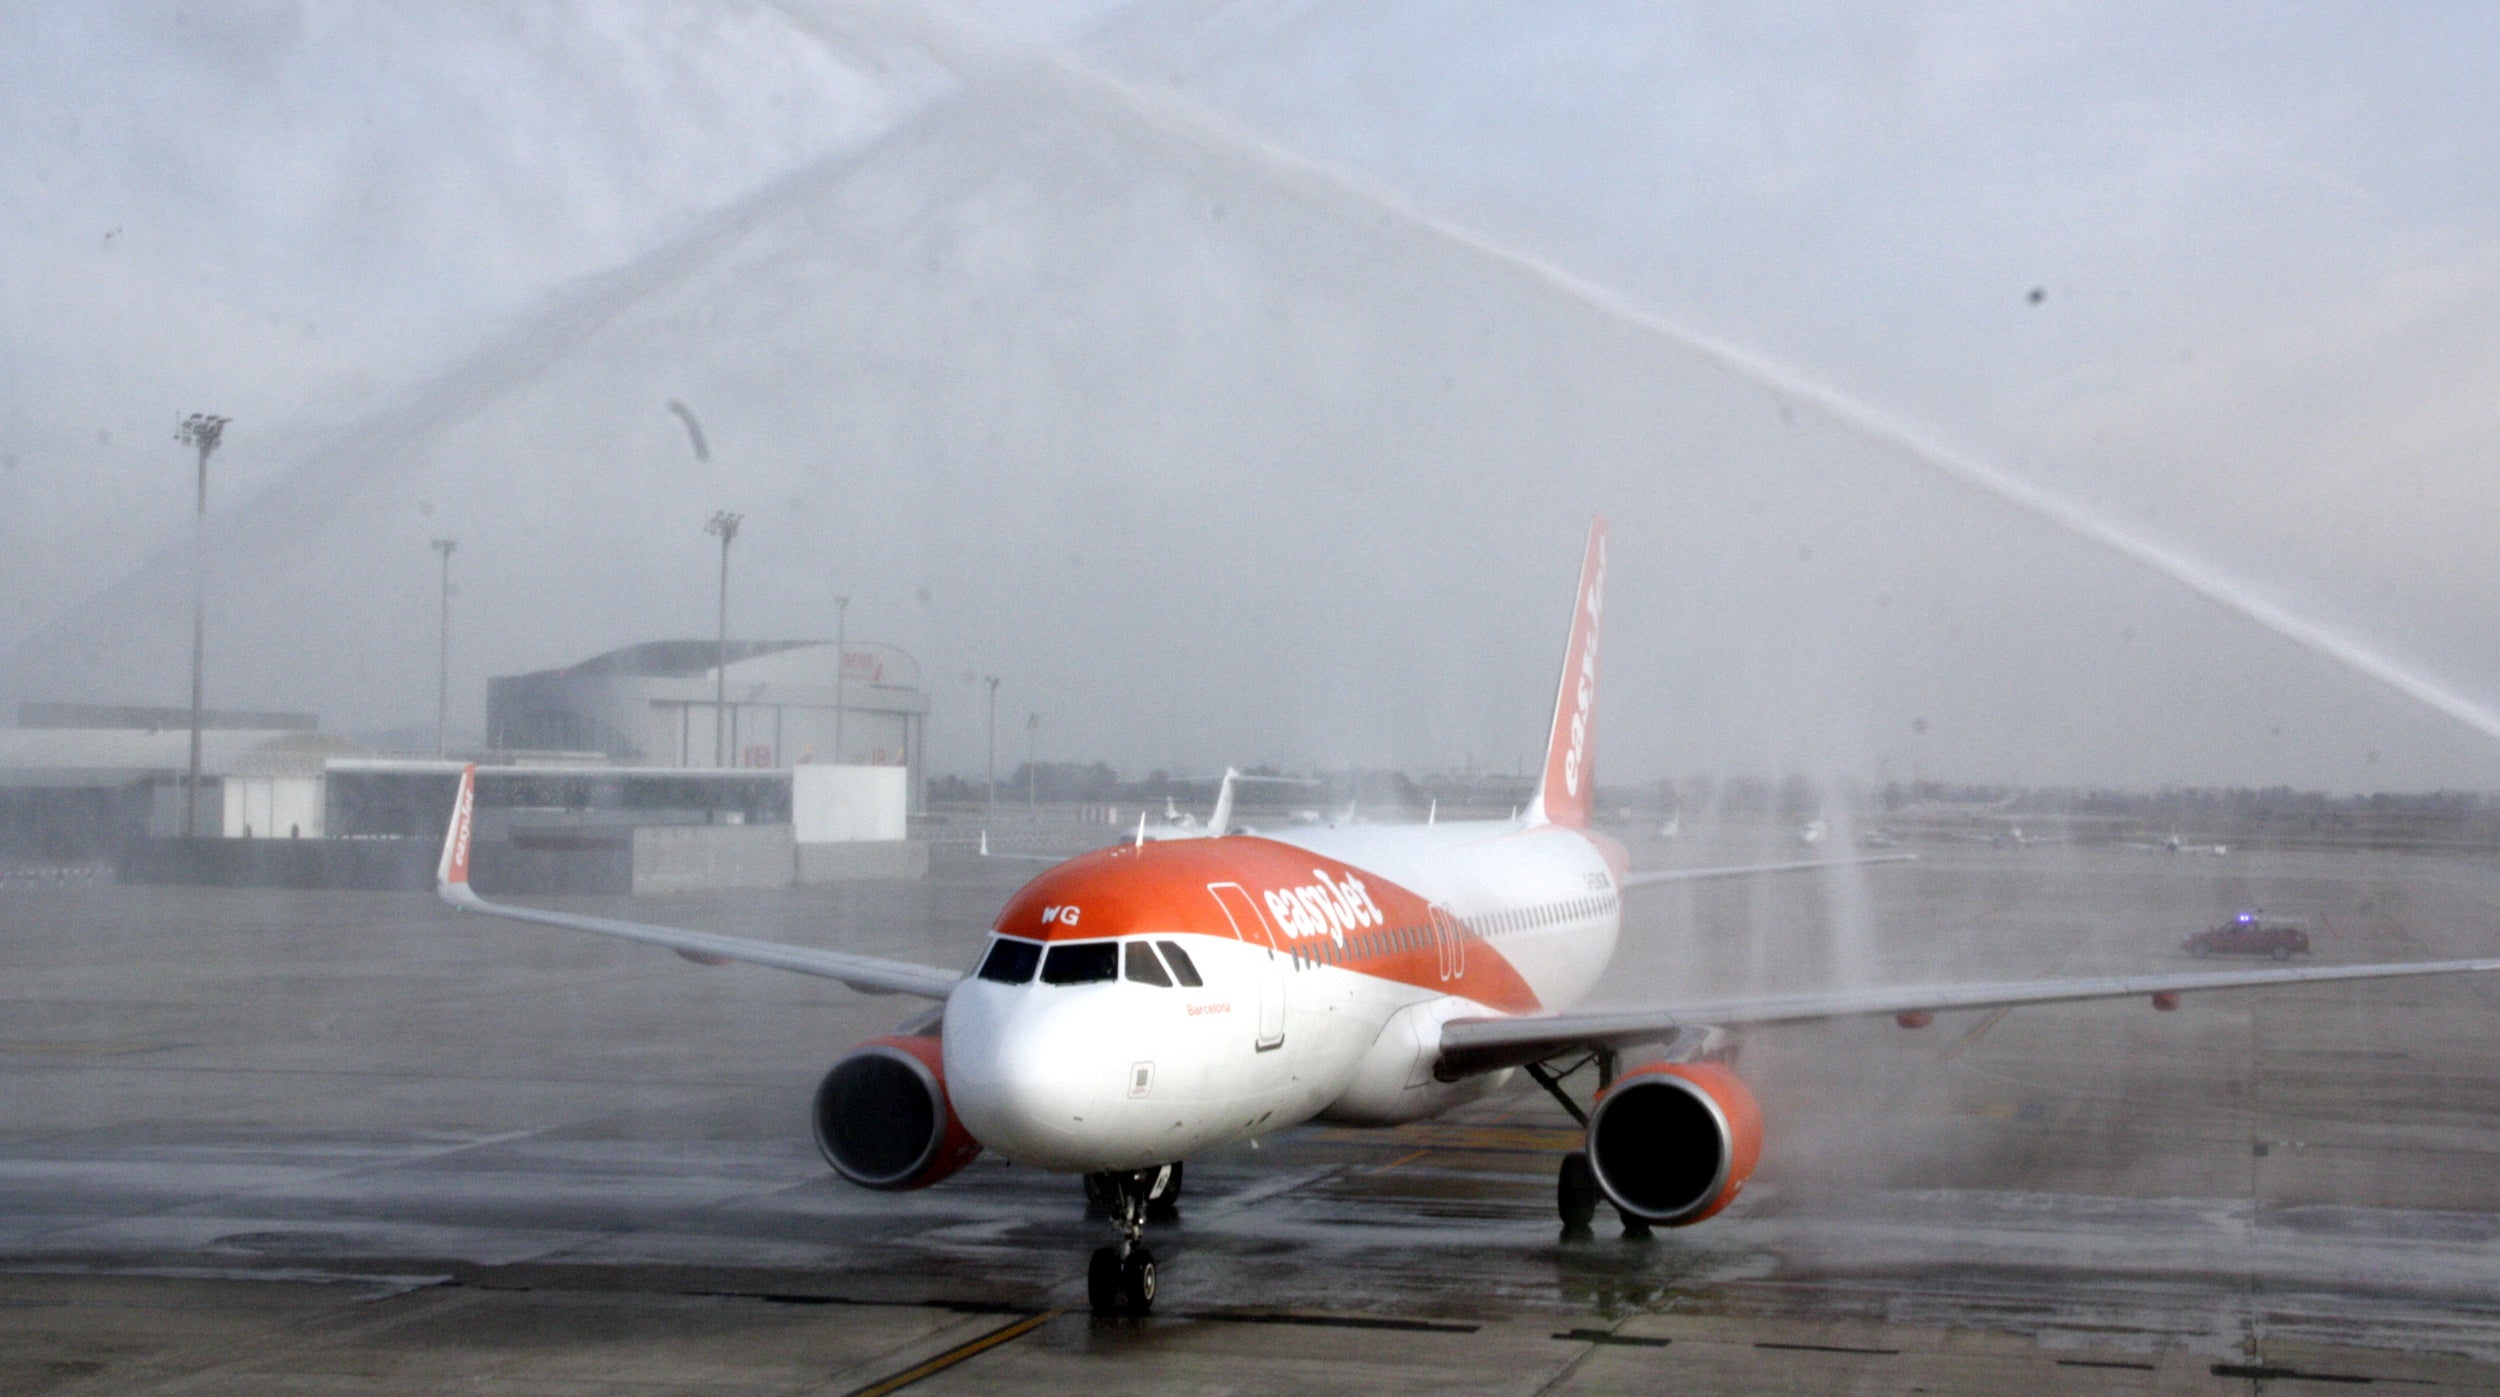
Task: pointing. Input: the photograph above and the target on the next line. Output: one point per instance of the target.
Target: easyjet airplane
(1144, 1003)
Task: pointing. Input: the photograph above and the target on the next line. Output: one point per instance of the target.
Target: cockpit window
(1181, 967)
(1011, 962)
(1144, 968)
(1082, 963)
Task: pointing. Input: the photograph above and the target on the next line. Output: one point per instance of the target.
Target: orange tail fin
(1568, 787)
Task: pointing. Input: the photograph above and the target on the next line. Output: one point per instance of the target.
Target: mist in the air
(1236, 384)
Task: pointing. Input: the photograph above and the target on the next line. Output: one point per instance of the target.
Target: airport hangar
(783, 703)
(597, 776)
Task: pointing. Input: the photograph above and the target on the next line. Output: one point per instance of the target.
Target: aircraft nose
(1029, 1070)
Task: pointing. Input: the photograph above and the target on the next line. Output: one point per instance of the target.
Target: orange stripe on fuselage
(1370, 925)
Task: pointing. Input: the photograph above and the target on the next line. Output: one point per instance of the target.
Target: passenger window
(1082, 963)
(1011, 962)
(1144, 968)
(1181, 967)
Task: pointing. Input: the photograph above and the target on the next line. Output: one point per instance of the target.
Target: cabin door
(1449, 936)
(1250, 924)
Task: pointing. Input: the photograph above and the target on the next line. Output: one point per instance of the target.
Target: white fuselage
(1309, 1006)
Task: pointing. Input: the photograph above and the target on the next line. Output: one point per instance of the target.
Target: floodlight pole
(724, 524)
(442, 670)
(204, 431)
(841, 671)
(992, 681)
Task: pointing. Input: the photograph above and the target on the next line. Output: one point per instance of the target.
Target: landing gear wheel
(1137, 1280)
(1635, 1229)
(1575, 1192)
(1102, 1281)
(1122, 1278)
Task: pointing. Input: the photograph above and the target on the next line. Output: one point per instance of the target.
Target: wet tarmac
(354, 1142)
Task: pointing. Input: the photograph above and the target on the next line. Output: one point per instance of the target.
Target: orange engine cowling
(882, 1118)
(1673, 1143)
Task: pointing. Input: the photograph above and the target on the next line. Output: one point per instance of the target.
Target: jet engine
(882, 1118)
(1673, 1143)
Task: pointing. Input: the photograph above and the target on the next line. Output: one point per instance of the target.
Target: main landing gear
(1576, 1194)
(1121, 1279)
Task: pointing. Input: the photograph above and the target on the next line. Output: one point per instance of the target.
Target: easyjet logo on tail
(1563, 795)
(1585, 699)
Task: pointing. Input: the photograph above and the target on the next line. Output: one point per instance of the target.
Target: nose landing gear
(1121, 1279)
(1102, 1198)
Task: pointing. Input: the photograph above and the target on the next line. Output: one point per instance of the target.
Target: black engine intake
(882, 1118)
(1674, 1143)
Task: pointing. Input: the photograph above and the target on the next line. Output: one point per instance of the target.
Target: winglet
(1221, 821)
(451, 876)
(1566, 792)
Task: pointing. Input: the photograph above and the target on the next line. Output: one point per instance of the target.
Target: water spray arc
(321, 482)
(1197, 137)
(325, 477)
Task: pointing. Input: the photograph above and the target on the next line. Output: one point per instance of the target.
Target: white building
(77, 780)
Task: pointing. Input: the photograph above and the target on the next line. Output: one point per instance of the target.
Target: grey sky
(1215, 467)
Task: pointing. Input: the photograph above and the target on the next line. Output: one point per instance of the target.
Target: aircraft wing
(1470, 1046)
(866, 974)
(1743, 870)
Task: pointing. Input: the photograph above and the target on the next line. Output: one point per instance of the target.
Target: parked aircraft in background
(1144, 1003)
(2010, 837)
(2170, 844)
